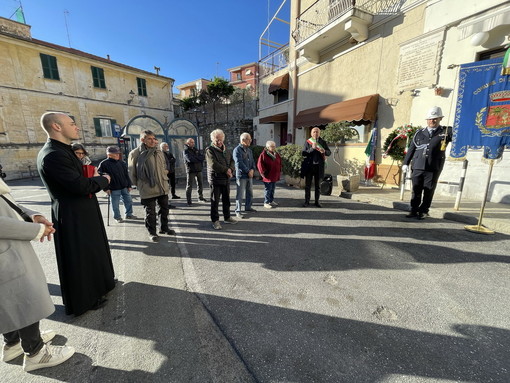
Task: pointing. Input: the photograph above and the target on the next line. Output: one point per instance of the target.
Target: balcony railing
(323, 12)
(275, 61)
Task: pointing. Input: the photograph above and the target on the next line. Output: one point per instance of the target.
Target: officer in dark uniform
(426, 154)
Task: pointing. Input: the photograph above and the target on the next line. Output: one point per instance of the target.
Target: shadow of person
(166, 328)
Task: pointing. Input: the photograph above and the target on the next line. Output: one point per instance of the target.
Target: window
(238, 76)
(104, 126)
(98, 77)
(281, 95)
(142, 86)
(49, 66)
(491, 54)
(362, 136)
(248, 72)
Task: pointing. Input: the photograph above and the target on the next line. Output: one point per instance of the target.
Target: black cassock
(83, 255)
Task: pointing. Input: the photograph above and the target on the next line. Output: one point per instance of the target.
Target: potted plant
(292, 158)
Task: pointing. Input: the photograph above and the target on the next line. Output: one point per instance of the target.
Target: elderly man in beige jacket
(147, 170)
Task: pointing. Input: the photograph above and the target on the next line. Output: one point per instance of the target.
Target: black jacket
(118, 172)
(170, 162)
(312, 156)
(218, 163)
(84, 261)
(193, 159)
(425, 152)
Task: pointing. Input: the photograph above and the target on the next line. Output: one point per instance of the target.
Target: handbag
(23, 215)
(88, 171)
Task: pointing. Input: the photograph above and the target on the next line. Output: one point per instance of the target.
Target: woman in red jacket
(269, 165)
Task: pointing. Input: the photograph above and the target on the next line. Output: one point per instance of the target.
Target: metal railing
(275, 61)
(323, 12)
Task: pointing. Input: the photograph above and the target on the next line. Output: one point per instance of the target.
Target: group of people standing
(83, 255)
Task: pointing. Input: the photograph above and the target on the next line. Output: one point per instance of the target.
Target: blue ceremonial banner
(482, 115)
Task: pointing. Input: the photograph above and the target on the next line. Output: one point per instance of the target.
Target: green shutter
(98, 77)
(49, 66)
(102, 80)
(45, 65)
(54, 68)
(97, 125)
(94, 77)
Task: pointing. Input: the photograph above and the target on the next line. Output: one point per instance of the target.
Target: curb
(498, 225)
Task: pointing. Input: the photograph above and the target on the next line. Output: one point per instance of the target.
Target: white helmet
(434, 112)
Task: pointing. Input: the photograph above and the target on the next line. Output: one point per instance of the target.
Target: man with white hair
(245, 169)
(426, 154)
(220, 168)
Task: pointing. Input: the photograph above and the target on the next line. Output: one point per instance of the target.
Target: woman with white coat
(24, 295)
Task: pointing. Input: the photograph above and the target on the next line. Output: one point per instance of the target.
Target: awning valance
(282, 117)
(358, 110)
(281, 82)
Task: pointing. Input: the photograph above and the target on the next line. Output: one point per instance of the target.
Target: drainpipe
(297, 5)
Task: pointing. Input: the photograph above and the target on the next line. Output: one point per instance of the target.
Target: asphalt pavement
(350, 292)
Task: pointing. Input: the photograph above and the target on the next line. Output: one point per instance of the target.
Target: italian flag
(505, 69)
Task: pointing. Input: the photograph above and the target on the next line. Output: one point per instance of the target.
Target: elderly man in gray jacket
(24, 295)
(147, 170)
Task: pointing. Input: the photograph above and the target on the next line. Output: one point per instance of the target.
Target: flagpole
(479, 228)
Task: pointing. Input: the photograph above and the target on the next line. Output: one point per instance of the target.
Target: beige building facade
(101, 95)
(406, 53)
(192, 88)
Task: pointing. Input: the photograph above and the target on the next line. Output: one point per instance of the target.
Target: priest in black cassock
(83, 255)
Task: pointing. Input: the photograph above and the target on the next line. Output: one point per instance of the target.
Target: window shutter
(97, 126)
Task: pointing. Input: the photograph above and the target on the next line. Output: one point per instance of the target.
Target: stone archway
(179, 130)
(140, 123)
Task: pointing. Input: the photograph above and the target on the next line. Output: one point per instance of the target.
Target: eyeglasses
(79, 153)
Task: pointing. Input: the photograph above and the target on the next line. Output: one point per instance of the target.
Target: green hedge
(292, 158)
(256, 149)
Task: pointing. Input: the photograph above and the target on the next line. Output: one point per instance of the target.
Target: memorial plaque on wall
(419, 61)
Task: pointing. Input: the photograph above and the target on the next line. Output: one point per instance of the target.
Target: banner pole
(479, 228)
(461, 185)
(403, 185)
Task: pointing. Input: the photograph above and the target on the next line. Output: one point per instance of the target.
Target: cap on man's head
(112, 150)
(434, 112)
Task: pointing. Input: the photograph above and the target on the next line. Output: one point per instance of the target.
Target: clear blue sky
(187, 39)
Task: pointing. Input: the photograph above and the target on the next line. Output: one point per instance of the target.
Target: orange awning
(281, 82)
(282, 117)
(358, 110)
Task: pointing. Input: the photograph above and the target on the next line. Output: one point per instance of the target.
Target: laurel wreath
(397, 142)
(479, 121)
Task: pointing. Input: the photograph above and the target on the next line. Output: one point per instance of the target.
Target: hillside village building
(102, 95)
(245, 76)
(381, 64)
(192, 88)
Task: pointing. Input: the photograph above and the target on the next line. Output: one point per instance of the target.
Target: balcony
(326, 22)
(275, 61)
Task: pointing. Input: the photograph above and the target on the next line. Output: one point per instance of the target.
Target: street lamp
(197, 112)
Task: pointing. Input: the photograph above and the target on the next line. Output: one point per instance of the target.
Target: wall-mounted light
(479, 38)
(131, 96)
(413, 92)
(392, 101)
